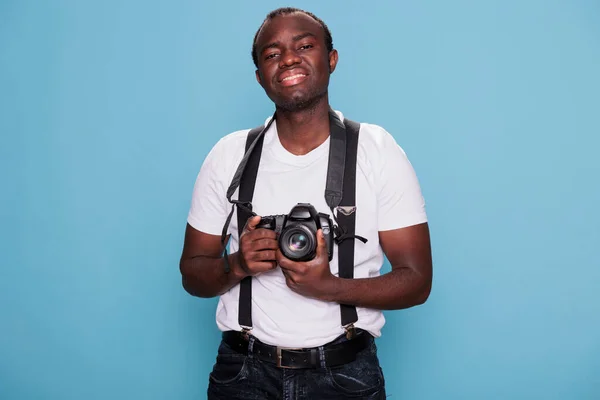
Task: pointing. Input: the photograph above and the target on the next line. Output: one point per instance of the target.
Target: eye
(306, 46)
(270, 56)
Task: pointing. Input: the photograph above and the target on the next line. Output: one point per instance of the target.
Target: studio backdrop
(108, 108)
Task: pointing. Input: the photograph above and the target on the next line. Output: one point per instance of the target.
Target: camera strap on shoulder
(247, 183)
(345, 217)
(340, 195)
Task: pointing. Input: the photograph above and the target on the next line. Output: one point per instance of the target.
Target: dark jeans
(237, 376)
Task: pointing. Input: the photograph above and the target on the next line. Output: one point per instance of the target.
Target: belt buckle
(279, 357)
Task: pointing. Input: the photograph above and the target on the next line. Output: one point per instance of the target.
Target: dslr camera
(297, 231)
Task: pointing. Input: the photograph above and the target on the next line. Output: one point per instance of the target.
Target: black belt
(334, 354)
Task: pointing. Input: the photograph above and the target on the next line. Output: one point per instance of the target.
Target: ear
(258, 77)
(333, 60)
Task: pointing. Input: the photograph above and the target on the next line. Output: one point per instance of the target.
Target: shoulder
(380, 154)
(375, 136)
(231, 144)
(377, 146)
(228, 150)
(224, 156)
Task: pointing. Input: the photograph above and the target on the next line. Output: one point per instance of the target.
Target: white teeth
(293, 77)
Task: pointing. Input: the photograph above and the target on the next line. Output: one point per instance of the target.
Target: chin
(298, 103)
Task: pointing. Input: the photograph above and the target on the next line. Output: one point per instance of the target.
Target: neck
(301, 131)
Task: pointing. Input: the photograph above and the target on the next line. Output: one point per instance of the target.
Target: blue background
(108, 109)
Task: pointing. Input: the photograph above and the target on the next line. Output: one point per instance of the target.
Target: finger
(282, 260)
(258, 267)
(265, 244)
(251, 223)
(262, 234)
(249, 245)
(285, 263)
(265, 255)
(321, 245)
(290, 277)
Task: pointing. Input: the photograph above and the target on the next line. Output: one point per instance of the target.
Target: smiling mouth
(289, 78)
(293, 80)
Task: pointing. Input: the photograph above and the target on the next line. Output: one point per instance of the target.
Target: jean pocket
(360, 377)
(230, 366)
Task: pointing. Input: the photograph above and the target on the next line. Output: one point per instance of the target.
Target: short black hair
(287, 11)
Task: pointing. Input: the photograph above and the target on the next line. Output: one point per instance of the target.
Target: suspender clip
(350, 331)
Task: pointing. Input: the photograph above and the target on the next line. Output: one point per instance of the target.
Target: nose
(289, 58)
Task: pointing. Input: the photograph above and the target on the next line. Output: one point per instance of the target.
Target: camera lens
(297, 241)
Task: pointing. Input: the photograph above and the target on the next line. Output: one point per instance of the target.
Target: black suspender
(340, 194)
(346, 216)
(247, 183)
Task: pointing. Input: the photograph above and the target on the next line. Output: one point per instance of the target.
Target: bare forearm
(398, 289)
(204, 276)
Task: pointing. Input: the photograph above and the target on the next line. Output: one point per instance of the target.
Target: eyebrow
(295, 39)
(302, 36)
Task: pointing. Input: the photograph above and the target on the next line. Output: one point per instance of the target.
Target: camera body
(297, 231)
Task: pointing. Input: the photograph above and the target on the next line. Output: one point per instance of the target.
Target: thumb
(321, 244)
(251, 223)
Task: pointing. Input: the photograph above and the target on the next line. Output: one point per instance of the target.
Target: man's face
(293, 62)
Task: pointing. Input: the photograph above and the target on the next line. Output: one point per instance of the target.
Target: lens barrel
(298, 242)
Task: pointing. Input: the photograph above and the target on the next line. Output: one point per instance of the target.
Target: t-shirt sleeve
(400, 201)
(208, 210)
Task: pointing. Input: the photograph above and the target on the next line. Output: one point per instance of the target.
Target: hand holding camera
(304, 249)
(311, 278)
(257, 248)
(297, 231)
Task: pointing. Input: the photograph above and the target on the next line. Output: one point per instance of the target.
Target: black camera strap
(253, 140)
(340, 195)
(346, 208)
(247, 183)
(245, 179)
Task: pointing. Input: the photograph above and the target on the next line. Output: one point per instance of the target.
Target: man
(296, 304)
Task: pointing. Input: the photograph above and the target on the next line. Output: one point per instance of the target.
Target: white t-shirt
(388, 196)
